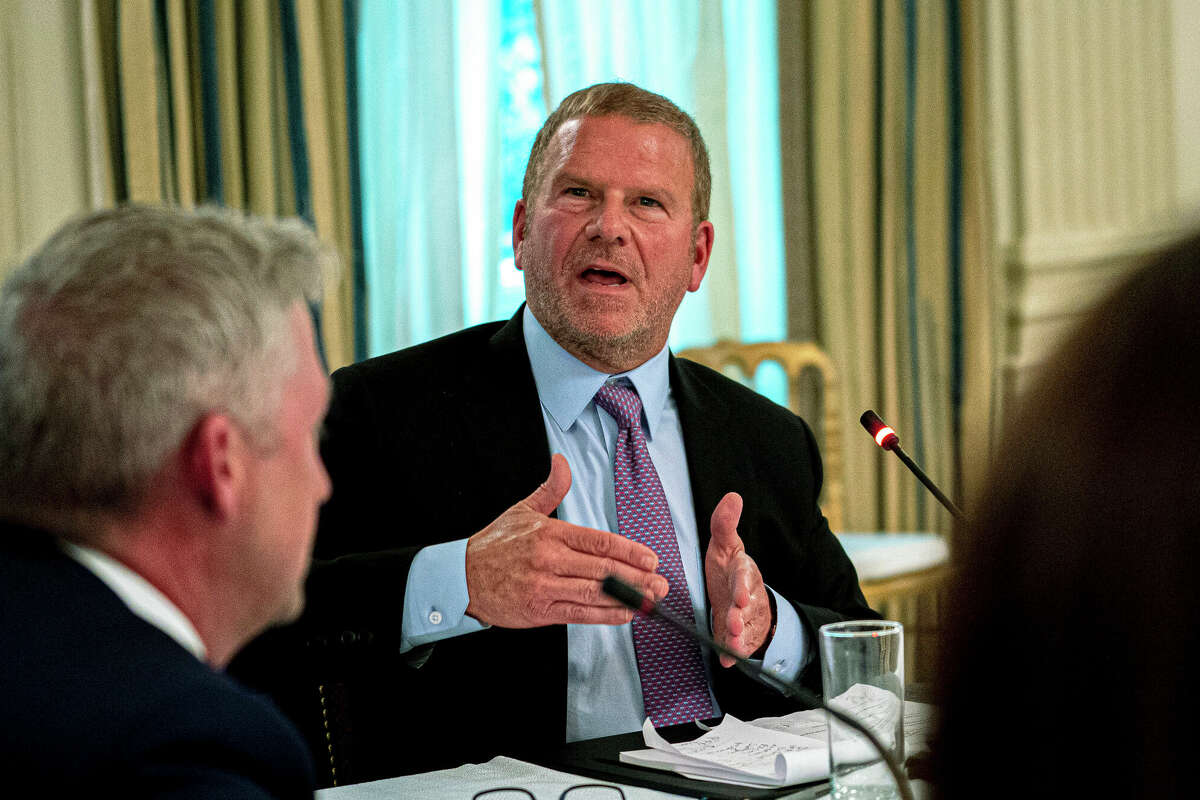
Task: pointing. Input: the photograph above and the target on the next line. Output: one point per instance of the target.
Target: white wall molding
(1095, 160)
(1043, 252)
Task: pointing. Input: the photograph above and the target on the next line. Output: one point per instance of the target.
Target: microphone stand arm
(929, 484)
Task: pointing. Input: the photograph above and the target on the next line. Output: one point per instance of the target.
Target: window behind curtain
(466, 81)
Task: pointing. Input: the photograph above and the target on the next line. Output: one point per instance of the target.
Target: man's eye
(577, 191)
(649, 202)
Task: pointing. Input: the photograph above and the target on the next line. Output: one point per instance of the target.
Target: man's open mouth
(604, 277)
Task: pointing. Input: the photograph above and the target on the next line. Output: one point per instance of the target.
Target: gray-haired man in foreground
(160, 395)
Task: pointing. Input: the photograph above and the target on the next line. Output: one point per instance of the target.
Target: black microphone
(616, 588)
(886, 438)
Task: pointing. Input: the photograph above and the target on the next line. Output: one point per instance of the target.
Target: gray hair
(124, 329)
(624, 100)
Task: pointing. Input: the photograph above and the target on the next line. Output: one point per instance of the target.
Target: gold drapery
(887, 211)
(237, 103)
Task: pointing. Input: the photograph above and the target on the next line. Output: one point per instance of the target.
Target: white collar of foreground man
(566, 385)
(140, 595)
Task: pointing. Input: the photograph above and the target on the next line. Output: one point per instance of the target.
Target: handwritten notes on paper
(737, 752)
(771, 751)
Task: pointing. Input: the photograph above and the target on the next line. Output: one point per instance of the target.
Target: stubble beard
(610, 351)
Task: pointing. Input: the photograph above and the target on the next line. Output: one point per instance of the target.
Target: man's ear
(702, 245)
(212, 464)
(518, 231)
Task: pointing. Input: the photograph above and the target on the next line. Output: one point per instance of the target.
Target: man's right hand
(527, 569)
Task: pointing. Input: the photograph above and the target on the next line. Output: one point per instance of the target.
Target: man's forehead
(649, 142)
(602, 126)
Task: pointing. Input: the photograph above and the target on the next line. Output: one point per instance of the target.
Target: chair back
(796, 358)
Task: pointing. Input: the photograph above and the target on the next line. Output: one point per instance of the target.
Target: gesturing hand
(527, 569)
(740, 609)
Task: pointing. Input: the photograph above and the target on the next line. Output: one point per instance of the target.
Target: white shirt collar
(140, 595)
(566, 385)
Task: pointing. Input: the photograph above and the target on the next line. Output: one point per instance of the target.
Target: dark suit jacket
(94, 698)
(432, 443)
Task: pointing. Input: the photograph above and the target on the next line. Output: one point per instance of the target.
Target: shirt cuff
(789, 651)
(435, 596)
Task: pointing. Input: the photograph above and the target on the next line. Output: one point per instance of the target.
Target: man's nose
(608, 223)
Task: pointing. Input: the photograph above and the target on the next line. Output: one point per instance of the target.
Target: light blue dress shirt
(604, 694)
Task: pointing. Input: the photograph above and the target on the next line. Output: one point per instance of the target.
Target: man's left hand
(740, 609)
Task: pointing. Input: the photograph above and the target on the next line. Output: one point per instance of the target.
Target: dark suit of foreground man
(440, 648)
(159, 483)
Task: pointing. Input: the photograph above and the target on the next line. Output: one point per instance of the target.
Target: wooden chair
(796, 358)
(902, 575)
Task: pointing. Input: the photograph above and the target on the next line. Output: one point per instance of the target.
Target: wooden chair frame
(795, 358)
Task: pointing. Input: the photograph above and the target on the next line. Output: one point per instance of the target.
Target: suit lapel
(509, 430)
(517, 431)
(715, 459)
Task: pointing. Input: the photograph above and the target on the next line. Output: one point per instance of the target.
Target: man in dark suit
(440, 649)
(160, 394)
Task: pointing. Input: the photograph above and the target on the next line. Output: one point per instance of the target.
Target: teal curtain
(410, 181)
(450, 95)
(752, 122)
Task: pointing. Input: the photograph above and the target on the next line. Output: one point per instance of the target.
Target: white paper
(919, 722)
(775, 751)
(738, 751)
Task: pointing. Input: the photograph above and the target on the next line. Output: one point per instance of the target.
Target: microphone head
(883, 435)
(620, 590)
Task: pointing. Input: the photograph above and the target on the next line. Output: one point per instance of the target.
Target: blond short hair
(626, 100)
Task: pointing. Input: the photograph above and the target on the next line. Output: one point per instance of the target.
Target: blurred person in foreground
(160, 395)
(1069, 667)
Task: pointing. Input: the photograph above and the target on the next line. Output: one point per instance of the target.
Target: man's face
(607, 243)
(288, 486)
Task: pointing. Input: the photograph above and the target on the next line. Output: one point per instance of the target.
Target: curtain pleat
(229, 103)
(890, 294)
(297, 133)
(323, 85)
(840, 82)
(932, 257)
(795, 100)
(356, 264)
(139, 100)
(981, 323)
(99, 105)
(179, 83)
(285, 171)
(954, 243)
(258, 118)
(210, 114)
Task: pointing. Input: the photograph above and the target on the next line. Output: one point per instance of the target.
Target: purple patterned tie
(671, 669)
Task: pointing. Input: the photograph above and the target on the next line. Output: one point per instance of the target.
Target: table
(465, 781)
(591, 761)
